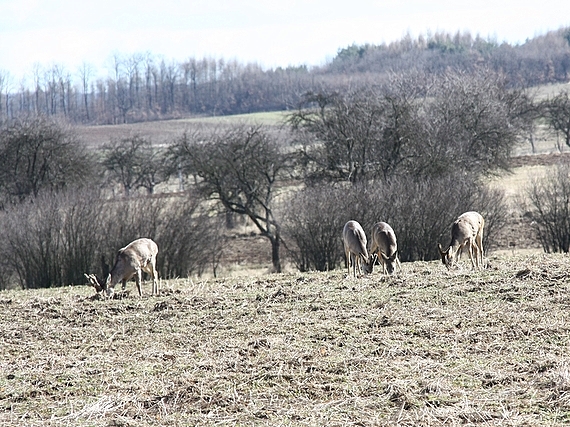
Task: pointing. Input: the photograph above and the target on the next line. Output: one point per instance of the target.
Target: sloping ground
(247, 253)
(520, 233)
(427, 347)
(540, 159)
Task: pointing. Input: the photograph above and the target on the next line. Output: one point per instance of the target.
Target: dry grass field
(426, 347)
(166, 131)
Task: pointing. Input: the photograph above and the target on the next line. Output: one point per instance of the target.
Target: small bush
(421, 212)
(312, 222)
(492, 204)
(550, 209)
(190, 238)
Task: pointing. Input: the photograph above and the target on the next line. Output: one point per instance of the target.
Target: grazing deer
(132, 260)
(385, 246)
(354, 240)
(466, 231)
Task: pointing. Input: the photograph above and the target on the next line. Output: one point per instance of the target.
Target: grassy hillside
(426, 347)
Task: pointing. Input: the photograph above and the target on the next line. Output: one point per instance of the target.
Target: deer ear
(92, 279)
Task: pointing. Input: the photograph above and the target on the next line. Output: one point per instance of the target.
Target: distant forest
(142, 87)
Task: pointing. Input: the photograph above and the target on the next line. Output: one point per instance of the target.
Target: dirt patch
(246, 248)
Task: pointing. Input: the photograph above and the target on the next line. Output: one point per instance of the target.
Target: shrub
(190, 238)
(420, 212)
(311, 222)
(55, 238)
(550, 209)
(492, 204)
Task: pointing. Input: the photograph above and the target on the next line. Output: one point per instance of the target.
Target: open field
(518, 181)
(427, 347)
(549, 90)
(166, 131)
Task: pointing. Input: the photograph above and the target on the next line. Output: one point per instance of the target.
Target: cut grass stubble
(424, 347)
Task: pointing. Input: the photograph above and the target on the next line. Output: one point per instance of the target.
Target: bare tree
(432, 127)
(358, 136)
(85, 74)
(134, 162)
(472, 122)
(37, 154)
(239, 167)
(550, 209)
(4, 85)
(557, 110)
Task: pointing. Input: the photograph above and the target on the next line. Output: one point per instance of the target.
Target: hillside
(425, 347)
(165, 131)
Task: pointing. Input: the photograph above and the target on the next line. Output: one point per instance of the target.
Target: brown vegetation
(425, 347)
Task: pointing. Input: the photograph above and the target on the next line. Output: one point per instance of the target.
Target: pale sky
(272, 33)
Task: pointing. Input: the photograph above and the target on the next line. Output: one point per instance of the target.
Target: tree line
(539, 60)
(142, 87)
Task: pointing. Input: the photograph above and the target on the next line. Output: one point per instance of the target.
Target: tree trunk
(275, 243)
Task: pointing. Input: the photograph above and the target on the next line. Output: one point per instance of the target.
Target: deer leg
(475, 252)
(155, 282)
(473, 264)
(479, 243)
(347, 256)
(479, 253)
(138, 279)
(352, 264)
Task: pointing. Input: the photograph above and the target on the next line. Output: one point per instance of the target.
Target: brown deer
(132, 260)
(355, 243)
(384, 244)
(466, 232)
